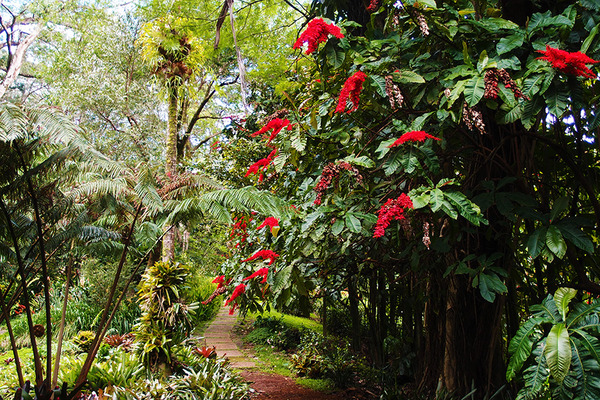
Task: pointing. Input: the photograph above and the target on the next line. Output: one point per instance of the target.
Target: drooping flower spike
(265, 255)
(239, 289)
(413, 136)
(276, 124)
(317, 31)
(271, 222)
(264, 272)
(570, 63)
(261, 165)
(393, 209)
(351, 91)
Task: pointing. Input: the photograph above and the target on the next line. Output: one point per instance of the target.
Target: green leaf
(474, 90)
(420, 201)
(509, 43)
(335, 56)
(436, 199)
(536, 242)
(362, 161)
(353, 223)
(574, 235)
(408, 76)
(558, 352)
(520, 346)
(588, 41)
(299, 143)
(483, 61)
(557, 100)
(337, 227)
(392, 164)
(378, 82)
(282, 278)
(560, 205)
(555, 241)
(562, 298)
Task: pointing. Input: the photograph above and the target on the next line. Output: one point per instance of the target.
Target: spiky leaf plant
(566, 362)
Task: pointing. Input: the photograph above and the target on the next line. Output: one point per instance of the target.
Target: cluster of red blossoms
(413, 136)
(276, 124)
(332, 172)
(240, 228)
(392, 209)
(264, 272)
(316, 32)
(261, 165)
(239, 289)
(265, 255)
(271, 222)
(570, 63)
(351, 90)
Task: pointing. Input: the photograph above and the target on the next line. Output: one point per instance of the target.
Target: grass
(291, 320)
(273, 361)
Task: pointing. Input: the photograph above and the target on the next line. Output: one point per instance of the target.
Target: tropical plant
(559, 348)
(165, 320)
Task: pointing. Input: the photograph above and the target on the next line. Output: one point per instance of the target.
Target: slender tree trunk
(168, 248)
(354, 312)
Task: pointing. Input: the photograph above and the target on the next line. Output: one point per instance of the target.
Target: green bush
(198, 290)
(272, 331)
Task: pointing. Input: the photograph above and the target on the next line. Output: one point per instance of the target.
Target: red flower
(413, 136)
(261, 164)
(261, 272)
(206, 352)
(272, 222)
(239, 289)
(351, 90)
(392, 209)
(570, 63)
(317, 32)
(276, 124)
(265, 255)
(220, 280)
(232, 308)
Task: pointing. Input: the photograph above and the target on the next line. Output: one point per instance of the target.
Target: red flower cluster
(351, 90)
(239, 228)
(392, 209)
(316, 32)
(413, 136)
(276, 124)
(570, 63)
(261, 272)
(239, 289)
(272, 222)
(373, 5)
(261, 164)
(265, 255)
(332, 172)
(220, 281)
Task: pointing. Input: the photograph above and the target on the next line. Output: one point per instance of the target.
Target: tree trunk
(168, 248)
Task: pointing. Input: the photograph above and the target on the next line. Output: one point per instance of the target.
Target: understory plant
(165, 320)
(560, 349)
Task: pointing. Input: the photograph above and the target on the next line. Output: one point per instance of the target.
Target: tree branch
(17, 62)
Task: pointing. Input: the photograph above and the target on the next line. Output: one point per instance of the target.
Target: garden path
(265, 386)
(218, 334)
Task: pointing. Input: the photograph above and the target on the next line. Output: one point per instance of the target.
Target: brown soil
(277, 387)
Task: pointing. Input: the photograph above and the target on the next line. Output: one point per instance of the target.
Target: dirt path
(277, 387)
(266, 386)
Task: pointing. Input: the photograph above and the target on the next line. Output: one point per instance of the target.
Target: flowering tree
(458, 189)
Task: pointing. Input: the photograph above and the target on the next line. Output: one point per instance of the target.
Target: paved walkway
(218, 334)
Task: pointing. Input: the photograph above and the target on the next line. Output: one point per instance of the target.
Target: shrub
(84, 340)
(199, 288)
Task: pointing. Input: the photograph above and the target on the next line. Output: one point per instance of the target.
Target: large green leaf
(557, 99)
(573, 234)
(558, 352)
(335, 55)
(511, 42)
(555, 241)
(535, 376)
(562, 298)
(536, 242)
(521, 344)
(436, 199)
(474, 90)
(578, 316)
